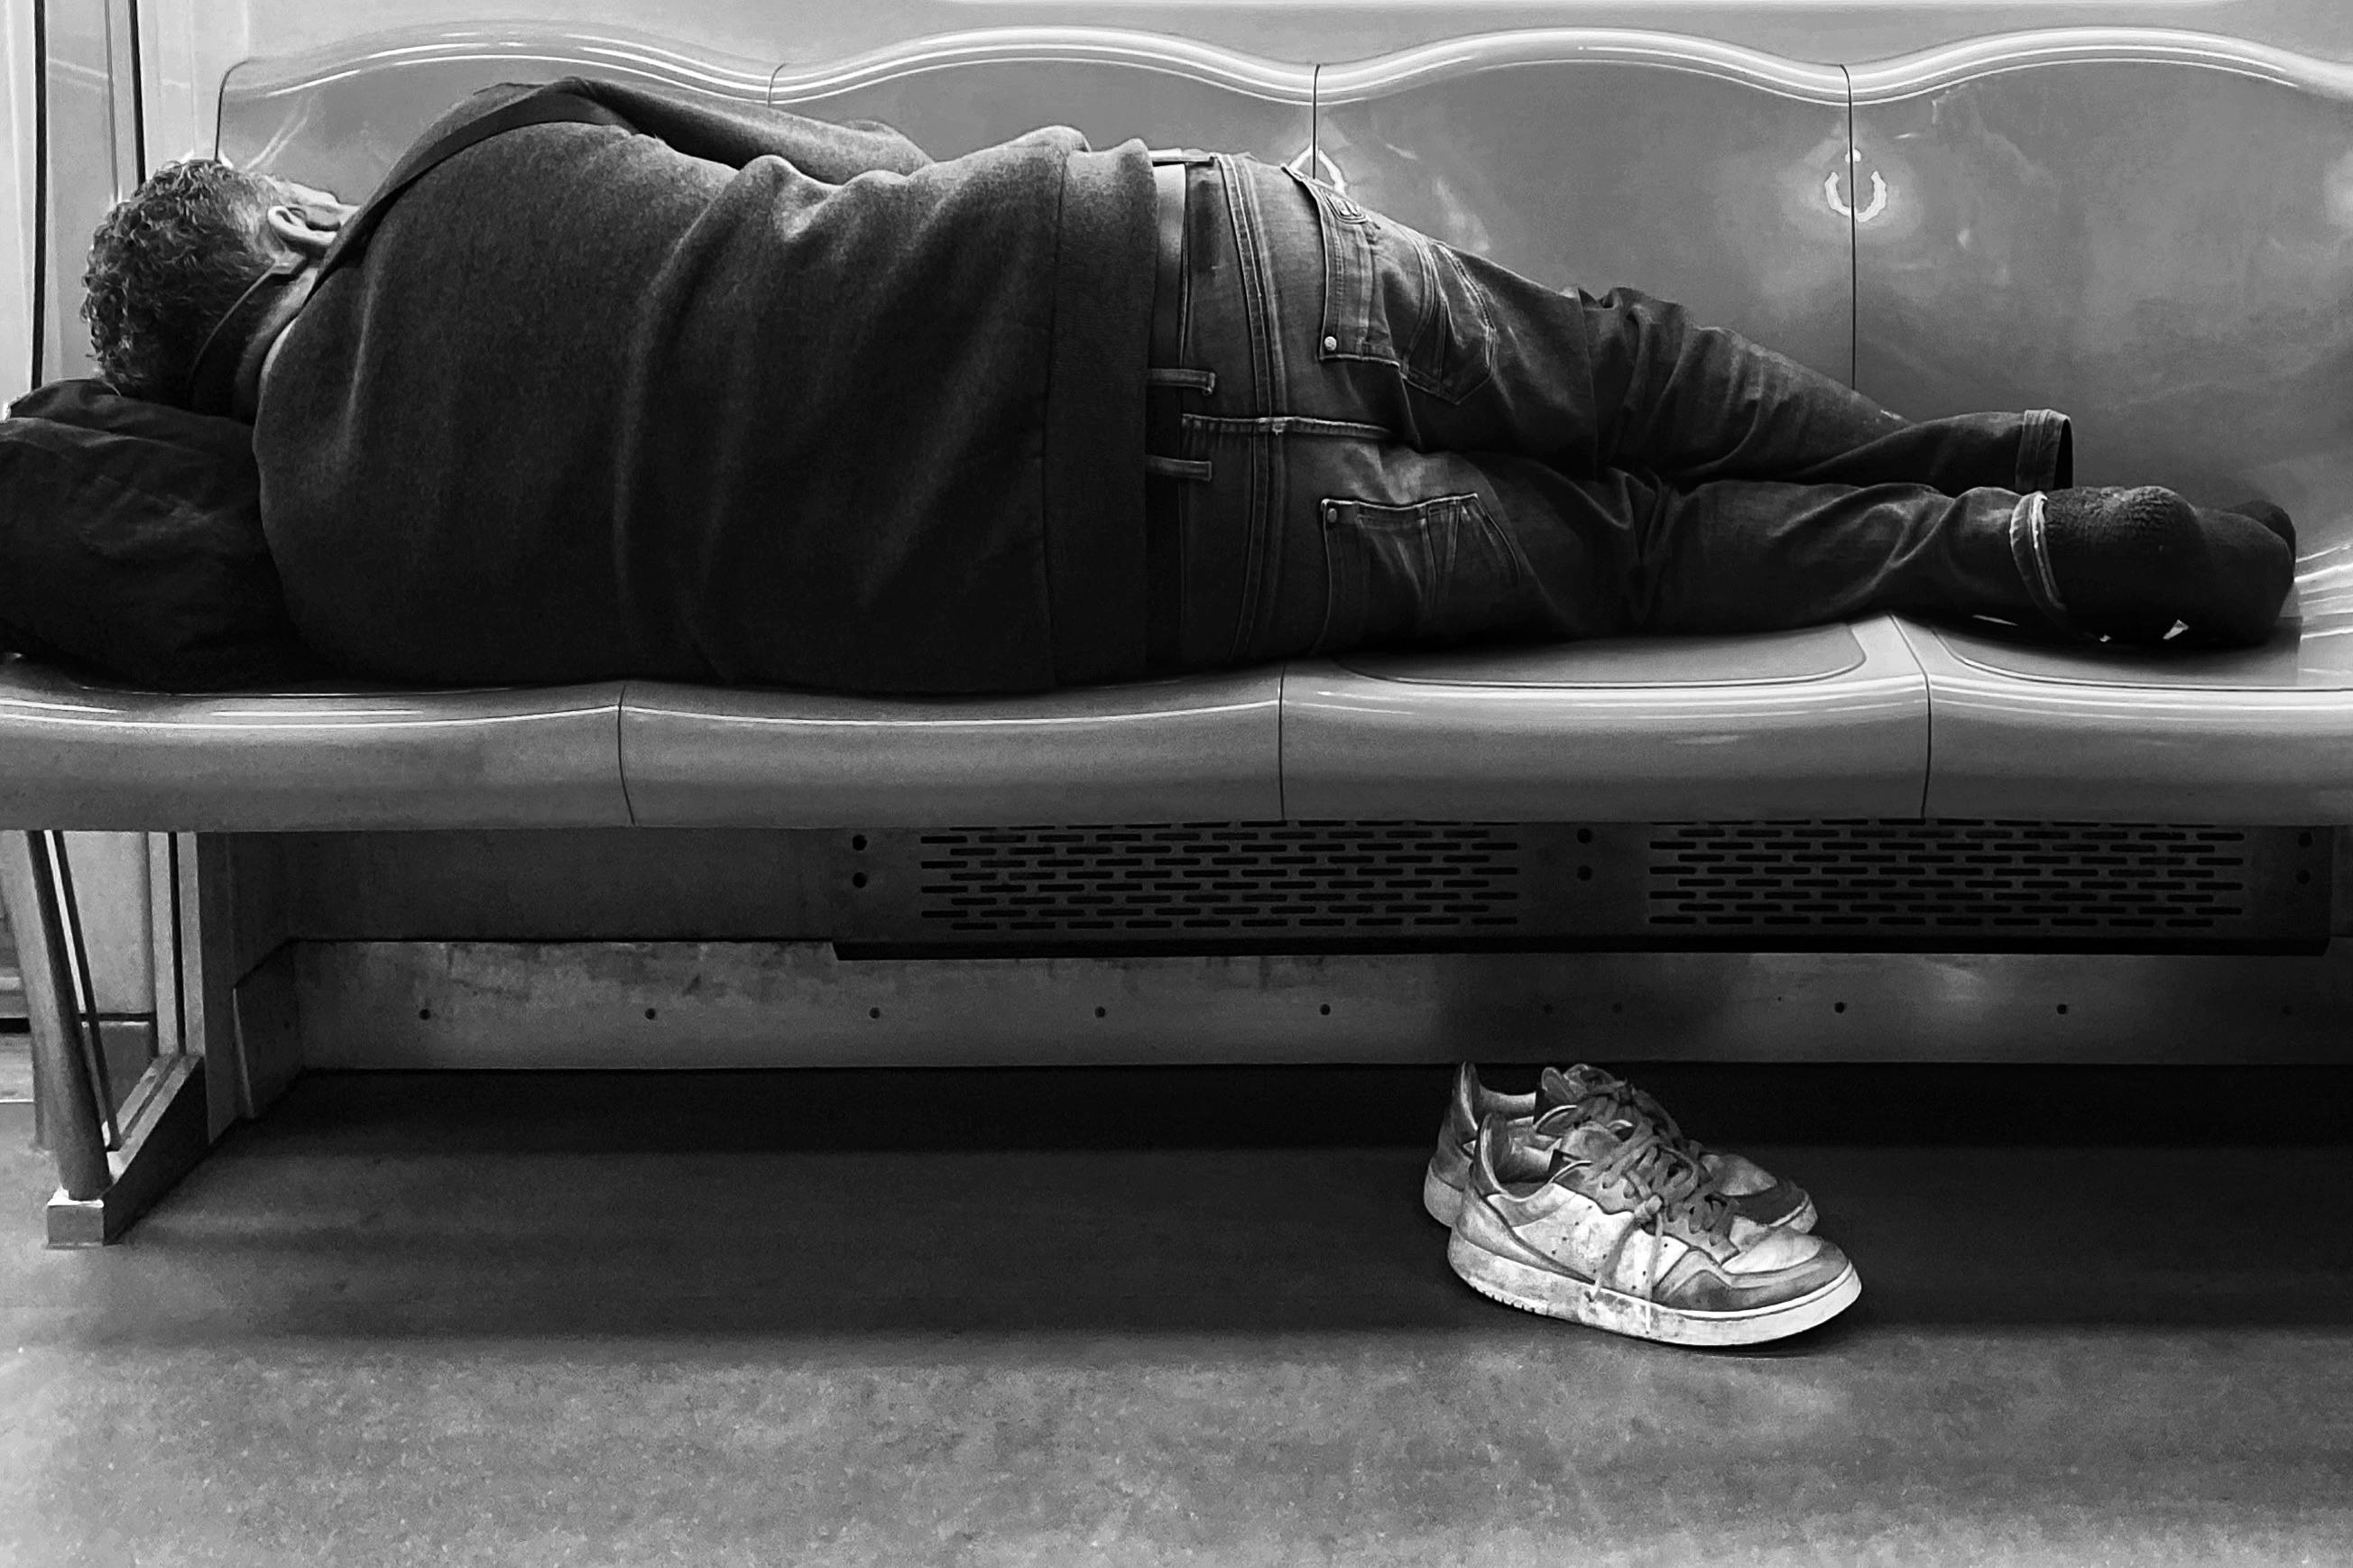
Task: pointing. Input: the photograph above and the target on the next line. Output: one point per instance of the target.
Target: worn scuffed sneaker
(1610, 1224)
(1756, 1194)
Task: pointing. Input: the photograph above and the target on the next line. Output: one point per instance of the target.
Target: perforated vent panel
(2066, 878)
(1294, 886)
(1222, 878)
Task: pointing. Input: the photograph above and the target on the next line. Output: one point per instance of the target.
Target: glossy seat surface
(1203, 750)
(2260, 735)
(76, 754)
(1832, 721)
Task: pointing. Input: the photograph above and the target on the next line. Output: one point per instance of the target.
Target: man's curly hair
(166, 264)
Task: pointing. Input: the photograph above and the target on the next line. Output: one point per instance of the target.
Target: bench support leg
(116, 1153)
(72, 1119)
(162, 1139)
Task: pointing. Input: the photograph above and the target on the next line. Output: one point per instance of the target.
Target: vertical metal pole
(40, 188)
(76, 1137)
(84, 997)
(131, 79)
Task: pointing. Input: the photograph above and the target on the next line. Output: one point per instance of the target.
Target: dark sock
(2254, 568)
(2131, 563)
(2272, 517)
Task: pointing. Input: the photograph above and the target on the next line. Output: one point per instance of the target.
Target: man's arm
(735, 133)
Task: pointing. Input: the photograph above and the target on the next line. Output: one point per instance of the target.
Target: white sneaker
(1755, 1193)
(1610, 1224)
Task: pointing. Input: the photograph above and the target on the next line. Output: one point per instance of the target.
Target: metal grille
(1962, 886)
(1213, 878)
(2058, 878)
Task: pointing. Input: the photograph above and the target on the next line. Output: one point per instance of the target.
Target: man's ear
(302, 230)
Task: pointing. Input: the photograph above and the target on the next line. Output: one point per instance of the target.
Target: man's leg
(1650, 474)
(1367, 542)
(1345, 485)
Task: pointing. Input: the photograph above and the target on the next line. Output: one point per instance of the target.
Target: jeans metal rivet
(1331, 345)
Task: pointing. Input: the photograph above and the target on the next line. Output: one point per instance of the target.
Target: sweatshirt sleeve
(735, 133)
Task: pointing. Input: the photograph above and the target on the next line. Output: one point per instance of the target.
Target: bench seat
(75, 754)
(1206, 749)
(1877, 719)
(1828, 721)
(2030, 730)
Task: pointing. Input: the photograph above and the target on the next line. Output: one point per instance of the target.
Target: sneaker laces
(1671, 1184)
(1609, 1097)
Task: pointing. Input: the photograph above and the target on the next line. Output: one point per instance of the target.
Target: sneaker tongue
(1557, 1121)
(1569, 1139)
(1587, 1141)
(1557, 1088)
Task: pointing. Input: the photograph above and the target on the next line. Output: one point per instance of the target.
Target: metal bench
(1812, 844)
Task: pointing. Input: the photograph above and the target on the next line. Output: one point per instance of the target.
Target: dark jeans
(1407, 445)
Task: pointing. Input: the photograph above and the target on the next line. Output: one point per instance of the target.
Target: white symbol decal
(1864, 215)
(1316, 165)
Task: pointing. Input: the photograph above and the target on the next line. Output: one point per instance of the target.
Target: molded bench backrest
(343, 116)
(2153, 232)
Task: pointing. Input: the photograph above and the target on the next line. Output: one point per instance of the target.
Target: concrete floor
(1135, 1319)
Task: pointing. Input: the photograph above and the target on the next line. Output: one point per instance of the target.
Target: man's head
(172, 258)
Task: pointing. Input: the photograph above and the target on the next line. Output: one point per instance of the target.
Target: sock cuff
(2029, 549)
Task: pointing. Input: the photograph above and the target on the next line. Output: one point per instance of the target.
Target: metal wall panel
(656, 1004)
(1325, 887)
(1672, 164)
(560, 884)
(111, 888)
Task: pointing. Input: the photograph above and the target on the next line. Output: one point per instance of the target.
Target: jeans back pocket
(1431, 572)
(1395, 296)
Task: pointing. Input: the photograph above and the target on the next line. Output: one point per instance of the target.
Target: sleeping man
(605, 382)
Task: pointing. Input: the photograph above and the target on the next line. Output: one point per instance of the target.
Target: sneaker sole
(1554, 1295)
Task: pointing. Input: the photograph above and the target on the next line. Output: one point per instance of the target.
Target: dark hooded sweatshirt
(741, 398)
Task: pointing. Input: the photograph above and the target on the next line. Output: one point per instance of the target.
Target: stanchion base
(163, 1142)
